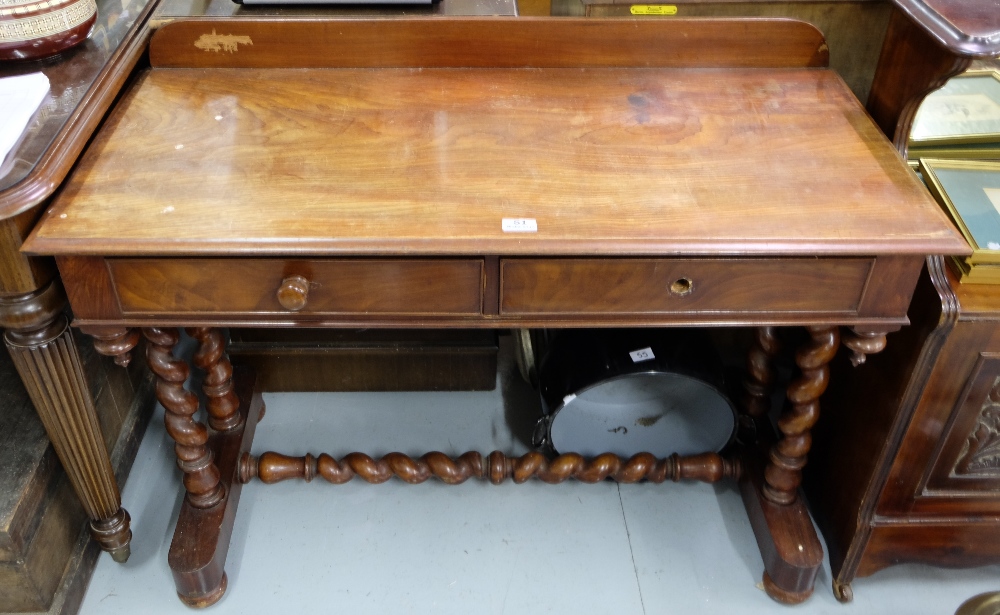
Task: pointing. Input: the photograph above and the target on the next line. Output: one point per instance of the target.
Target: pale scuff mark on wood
(221, 42)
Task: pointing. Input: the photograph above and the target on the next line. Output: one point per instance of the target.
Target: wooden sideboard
(376, 185)
(46, 554)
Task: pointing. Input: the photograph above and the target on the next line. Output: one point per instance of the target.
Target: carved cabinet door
(970, 458)
(949, 464)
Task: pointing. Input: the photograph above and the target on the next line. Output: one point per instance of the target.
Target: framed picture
(965, 111)
(973, 151)
(970, 191)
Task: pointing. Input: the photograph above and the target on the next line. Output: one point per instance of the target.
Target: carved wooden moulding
(38, 28)
(982, 450)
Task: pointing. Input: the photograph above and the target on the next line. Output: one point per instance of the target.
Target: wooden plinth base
(201, 540)
(788, 543)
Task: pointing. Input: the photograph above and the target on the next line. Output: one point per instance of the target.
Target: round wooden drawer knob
(293, 293)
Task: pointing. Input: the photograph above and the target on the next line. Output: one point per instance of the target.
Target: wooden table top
(429, 161)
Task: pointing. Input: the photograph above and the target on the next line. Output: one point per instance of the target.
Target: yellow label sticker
(653, 9)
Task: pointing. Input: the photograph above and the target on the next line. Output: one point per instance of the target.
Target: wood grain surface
(623, 286)
(518, 42)
(363, 287)
(853, 29)
(429, 161)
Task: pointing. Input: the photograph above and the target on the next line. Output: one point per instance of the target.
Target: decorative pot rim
(23, 21)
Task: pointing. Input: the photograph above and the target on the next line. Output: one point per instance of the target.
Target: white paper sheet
(20, 97)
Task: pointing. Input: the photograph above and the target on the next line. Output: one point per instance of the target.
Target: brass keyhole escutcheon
(681, 287)
(293, 293)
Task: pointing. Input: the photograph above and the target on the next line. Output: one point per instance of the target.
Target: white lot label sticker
(519, 225)
(645, 354)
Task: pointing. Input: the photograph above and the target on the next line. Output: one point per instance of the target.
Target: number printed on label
(519, 225)
(644, 354)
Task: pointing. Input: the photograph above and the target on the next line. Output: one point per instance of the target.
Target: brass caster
(842, 592)
(121, 554)
(982, 604)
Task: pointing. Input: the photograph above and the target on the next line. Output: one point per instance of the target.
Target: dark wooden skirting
(368, 360)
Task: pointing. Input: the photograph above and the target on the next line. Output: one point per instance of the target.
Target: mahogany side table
(490, 173)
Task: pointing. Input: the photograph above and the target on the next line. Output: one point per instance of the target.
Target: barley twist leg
(759, 383)
(783, 473)
(222, 403)
(201, 476)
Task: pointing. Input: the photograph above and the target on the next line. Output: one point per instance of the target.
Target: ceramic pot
(37, 28)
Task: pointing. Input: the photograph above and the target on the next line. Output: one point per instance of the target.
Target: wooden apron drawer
(638, 286)
(356, 287)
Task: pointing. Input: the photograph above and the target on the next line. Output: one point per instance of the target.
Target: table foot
(788, 543)
(779, 594)
(114, 534)
(198, 551)
(201, 601)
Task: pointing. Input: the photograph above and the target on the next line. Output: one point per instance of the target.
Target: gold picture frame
(965, 111)
(970, 192)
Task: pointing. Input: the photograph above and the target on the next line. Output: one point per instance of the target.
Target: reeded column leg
(45, 355)
(194, 458)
